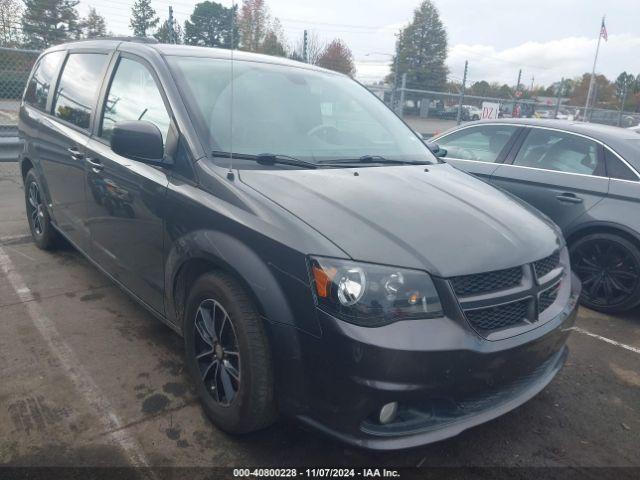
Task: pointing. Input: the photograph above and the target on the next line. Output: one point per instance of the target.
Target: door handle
(569, 198)
(96, 165)
(75, 154)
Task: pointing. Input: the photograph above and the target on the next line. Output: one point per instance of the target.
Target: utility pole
(532, 80)
(593, 73)
(558, 97)
(516, 108)
(462, 89)
(624, 100)
(305, 57)
(395, 81)
(172, 31)
(400, 108)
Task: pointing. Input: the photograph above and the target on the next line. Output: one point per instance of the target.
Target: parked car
(472, 112)
(612, 117)
(583, 176)
(635, 129)
(314, 254)
(543, 114)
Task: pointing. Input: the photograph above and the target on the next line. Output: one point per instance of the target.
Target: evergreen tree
(143, 18)
(94, 25)
(212, 25)
(422, 50)
(272, 45)
(49, 22)
(274, 42)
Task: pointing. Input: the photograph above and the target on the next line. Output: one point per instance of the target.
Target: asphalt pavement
(88, 378)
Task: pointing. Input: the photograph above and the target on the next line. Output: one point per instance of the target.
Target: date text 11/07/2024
(316, 472)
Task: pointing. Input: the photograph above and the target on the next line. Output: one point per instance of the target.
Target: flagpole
(593, 73)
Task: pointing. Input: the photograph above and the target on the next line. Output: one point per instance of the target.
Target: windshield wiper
(379, 159)
(268, 159)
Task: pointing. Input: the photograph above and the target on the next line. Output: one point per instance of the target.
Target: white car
(474, 112)
(635, 129)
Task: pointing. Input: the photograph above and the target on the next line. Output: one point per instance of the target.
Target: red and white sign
(490, 111)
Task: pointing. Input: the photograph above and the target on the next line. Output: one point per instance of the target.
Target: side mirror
(139, 140)
(436, 150)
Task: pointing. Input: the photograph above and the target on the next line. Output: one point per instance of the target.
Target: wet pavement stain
(89, 297)
(173, 433)
(155, 403)
(175, 389)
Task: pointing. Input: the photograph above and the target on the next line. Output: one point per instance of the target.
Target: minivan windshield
(305, 114)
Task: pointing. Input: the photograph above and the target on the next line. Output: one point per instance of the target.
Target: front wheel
(609, 267)
(228, 354)
(42, 231)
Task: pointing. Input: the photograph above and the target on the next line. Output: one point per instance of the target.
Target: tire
(252, 406)
(609, 267)
(43, 233)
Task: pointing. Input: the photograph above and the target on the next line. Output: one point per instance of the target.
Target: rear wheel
(609, 267)
(42, 231)
(228, 354)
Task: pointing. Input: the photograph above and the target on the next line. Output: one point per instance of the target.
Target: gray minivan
(585, 177)
(311, 250)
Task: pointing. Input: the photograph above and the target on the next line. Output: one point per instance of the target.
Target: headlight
(372, 295)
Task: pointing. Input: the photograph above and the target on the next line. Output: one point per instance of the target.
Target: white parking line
(73, 368)
(605, 339)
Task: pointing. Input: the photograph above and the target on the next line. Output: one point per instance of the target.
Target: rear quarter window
(616, 168)
(39, 85)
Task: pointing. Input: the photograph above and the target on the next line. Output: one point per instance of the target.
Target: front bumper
(445, 377)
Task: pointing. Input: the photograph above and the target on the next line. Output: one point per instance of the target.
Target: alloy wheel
(36, 208)
(608, 270)
(217, 352)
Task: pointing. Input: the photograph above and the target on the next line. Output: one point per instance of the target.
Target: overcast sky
(548, 39)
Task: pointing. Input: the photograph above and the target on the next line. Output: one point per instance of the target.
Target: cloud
(547, 61)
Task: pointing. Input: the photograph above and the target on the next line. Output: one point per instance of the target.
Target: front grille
(548, 297)
(544, 266)
(487, 282)
(499, 316)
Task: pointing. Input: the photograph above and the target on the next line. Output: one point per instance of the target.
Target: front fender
(266, 281)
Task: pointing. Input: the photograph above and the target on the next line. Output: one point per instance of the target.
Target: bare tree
(253, 24)
(315, 48)
(10, 13)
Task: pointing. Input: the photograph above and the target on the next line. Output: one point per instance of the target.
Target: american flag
(603, 31)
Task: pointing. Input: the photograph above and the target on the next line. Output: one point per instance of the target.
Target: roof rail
(150, 40)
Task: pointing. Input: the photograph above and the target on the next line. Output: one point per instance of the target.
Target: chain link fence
(430, 112)
(15, 66)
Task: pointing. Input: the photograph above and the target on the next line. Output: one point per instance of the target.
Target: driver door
(125, 198)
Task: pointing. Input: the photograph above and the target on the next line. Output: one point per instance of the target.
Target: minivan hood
(435, 218)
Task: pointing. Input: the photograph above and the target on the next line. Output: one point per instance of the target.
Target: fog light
(388, 413)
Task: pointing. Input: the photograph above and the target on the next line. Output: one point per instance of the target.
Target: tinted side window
(617, 169)
(39, 85)
(134, 95)
(78, 87)
(483, 143)
(552, 150)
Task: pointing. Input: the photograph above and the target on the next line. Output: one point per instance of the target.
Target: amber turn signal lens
(323, 280)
